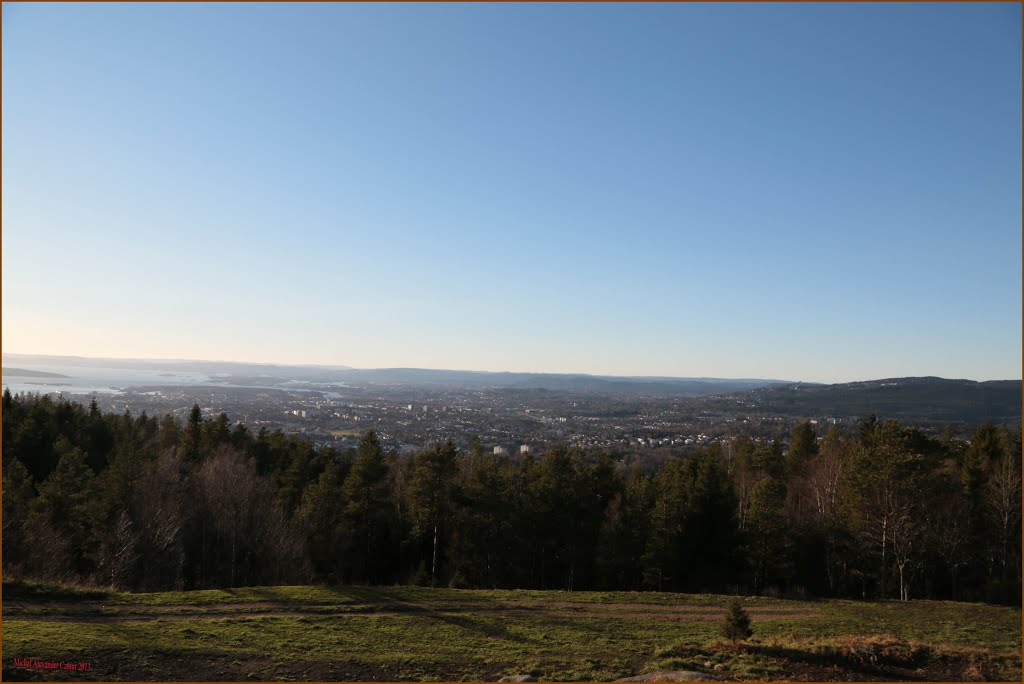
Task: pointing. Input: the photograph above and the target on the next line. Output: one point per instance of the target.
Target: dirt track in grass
(95, 612)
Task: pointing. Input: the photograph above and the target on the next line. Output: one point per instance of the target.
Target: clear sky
(809, 192)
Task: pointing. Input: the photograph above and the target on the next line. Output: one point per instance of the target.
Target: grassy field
(410, 633)
(345, 433)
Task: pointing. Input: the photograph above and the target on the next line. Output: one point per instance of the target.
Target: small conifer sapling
(737, 623)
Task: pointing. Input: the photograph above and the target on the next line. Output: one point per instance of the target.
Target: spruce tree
(736, 626)
(366, 515)
(193, 433)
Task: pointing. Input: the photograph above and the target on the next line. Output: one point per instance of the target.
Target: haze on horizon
(819, 192)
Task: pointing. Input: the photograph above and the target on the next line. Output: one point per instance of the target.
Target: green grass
(413, 633)
(345, 433)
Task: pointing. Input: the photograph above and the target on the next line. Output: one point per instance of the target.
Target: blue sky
(818, 192)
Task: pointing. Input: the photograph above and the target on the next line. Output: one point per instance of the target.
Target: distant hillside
(25, 373)
(936, 400)
(561, 382)
(257, 374)
(273, 370)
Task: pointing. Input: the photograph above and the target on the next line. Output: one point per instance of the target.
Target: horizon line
(338, 366)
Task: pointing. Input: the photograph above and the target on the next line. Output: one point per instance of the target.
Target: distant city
(510, 413)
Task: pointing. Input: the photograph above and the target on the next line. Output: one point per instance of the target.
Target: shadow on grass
(32, 591)
(482, 627)
(21, 674)
(908, 665)
(465, 613)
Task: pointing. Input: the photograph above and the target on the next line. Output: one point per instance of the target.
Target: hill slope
(562, 382)
(928, 399)
(410, 633)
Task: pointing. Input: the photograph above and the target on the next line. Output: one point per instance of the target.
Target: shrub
(420, 578)
(459, 581)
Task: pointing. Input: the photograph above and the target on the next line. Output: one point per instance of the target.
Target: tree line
(152, 503)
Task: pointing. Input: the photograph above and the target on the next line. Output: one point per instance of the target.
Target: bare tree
(950, 536)
(906, 533)
(118, 554)
(1003, 494)
(738, 460)
(158, 503)
(824, 478)
(50, 555)
(884, 480)
(244, 530)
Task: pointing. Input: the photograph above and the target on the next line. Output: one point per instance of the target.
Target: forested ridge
(147, 503)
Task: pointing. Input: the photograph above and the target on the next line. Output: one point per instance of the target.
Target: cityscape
(412, 410)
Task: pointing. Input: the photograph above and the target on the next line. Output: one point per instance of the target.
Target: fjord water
(94, 379)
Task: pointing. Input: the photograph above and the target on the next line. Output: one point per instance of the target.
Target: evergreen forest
(150, 503)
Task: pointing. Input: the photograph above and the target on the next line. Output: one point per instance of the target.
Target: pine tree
(65, 508)
(803, 446)
(193, 433)
(320, 515)
(216, 432)
(669, 499)
(17, 498)
(430, 497)
(766, 530)
(366, 514)
(710, 530)
(482, 530)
